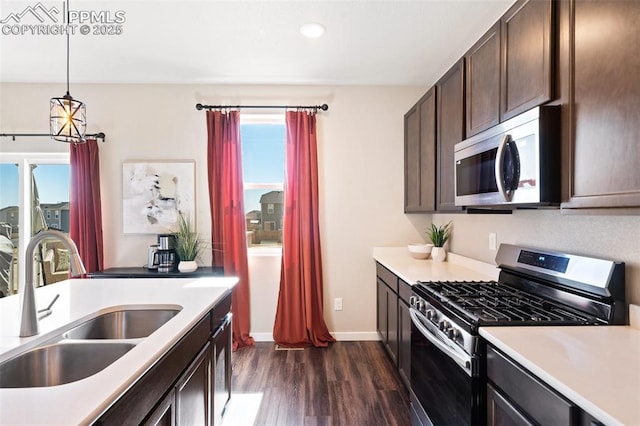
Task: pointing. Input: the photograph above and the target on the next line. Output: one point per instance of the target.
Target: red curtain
(299, 315)
(228, 226)
(85, 209)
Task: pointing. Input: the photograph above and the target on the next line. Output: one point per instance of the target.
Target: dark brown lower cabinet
(221, 364)
(517, 397)
(404, 345)
(393, 320)
(193, 391)
(165, 412)
(189, 385)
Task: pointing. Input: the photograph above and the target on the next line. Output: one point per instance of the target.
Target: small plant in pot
(188, 245)
(439, 235)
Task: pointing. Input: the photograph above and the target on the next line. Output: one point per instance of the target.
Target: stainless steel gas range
(534, 288)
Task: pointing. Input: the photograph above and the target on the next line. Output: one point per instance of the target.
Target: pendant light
(67, 116)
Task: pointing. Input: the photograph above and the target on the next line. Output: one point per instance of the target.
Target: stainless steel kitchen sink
(60, 363)
(122, 324)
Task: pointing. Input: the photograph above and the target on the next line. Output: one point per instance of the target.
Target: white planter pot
(187, 266)
(438, 254)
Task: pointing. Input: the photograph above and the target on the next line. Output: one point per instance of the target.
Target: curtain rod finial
(324, 107)
(199, 107)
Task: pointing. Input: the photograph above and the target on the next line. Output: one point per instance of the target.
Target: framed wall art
(154, 193)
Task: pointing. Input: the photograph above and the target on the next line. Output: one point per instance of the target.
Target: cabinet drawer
(537, 400)
(387, 276)
(404, 290)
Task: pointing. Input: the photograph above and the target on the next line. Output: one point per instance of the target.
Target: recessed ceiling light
(312, 30)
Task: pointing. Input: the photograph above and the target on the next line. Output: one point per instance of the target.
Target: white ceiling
(386, 42)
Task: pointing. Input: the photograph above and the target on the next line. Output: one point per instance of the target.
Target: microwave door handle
(499, 169)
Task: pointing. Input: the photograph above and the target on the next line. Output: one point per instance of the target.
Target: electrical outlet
(493, 241)
(337, 304)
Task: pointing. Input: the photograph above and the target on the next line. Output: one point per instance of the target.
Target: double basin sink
(84, 350)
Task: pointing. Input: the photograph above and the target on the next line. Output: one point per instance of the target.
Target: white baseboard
(262, 337)
(342, 336)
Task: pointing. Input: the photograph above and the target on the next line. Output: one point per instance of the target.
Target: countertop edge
(455, 268)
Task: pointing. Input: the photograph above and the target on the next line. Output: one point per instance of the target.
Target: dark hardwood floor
(349, 383)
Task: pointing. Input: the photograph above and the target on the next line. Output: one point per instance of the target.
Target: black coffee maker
(167, 257)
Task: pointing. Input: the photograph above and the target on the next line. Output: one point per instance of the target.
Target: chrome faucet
(29, 324)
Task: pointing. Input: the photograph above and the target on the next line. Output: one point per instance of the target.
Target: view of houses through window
(263, 148)
(45, 204)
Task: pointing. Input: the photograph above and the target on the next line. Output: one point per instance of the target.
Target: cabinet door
(381, 315)
(483, 82)
(193, 391)
(500, 412)
(604, 91)
(221, 355)
(164, 413)
(392, 318)
(450, 131)
(526, 36)
(404, 356)
(420, 152)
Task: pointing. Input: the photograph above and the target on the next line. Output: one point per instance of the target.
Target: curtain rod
(99, 135)
(323, 107)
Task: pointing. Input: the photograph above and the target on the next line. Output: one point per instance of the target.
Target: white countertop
(455, 268)
(598, 367)
(83, 401)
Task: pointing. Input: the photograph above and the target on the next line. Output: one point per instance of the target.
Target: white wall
(361, 182)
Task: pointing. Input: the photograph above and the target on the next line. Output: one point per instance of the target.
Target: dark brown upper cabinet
(603, 77)
(419, 155)
(450, 130)
(483, 82)
(526, 33)
(509, 70)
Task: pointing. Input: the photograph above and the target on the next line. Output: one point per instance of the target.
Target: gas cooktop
(490, 303)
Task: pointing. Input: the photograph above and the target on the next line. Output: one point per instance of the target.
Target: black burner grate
(490, 303)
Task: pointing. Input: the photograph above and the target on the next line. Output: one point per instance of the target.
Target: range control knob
(444, 325)
(412, 301)
(431, 314)
(420, 305)
(453, 333)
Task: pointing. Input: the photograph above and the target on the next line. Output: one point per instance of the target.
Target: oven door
(446, 386)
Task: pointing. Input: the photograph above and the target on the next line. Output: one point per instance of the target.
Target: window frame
(25, 160)
(263, 118)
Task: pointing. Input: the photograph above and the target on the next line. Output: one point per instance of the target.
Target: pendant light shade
(67, 119)
(67, 116)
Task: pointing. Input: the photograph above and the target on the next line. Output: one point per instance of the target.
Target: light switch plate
(493, 241)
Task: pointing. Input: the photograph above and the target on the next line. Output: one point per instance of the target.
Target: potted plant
(439, 235)
(188, 245)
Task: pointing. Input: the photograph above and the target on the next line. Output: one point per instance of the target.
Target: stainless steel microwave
(513, 164)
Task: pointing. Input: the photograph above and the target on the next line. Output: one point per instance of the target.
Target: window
(57, 213)
(48, 214)
(46, 178)
(263, 144)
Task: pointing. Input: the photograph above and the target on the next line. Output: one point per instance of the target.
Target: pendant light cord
(68, 29)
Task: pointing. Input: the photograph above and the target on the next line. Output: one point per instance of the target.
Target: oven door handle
(464, 361)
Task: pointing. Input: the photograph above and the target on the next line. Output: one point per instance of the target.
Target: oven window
(476, 174)
(447, 394)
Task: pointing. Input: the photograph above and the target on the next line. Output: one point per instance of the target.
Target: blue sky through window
(262, 158)
(52, 180)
